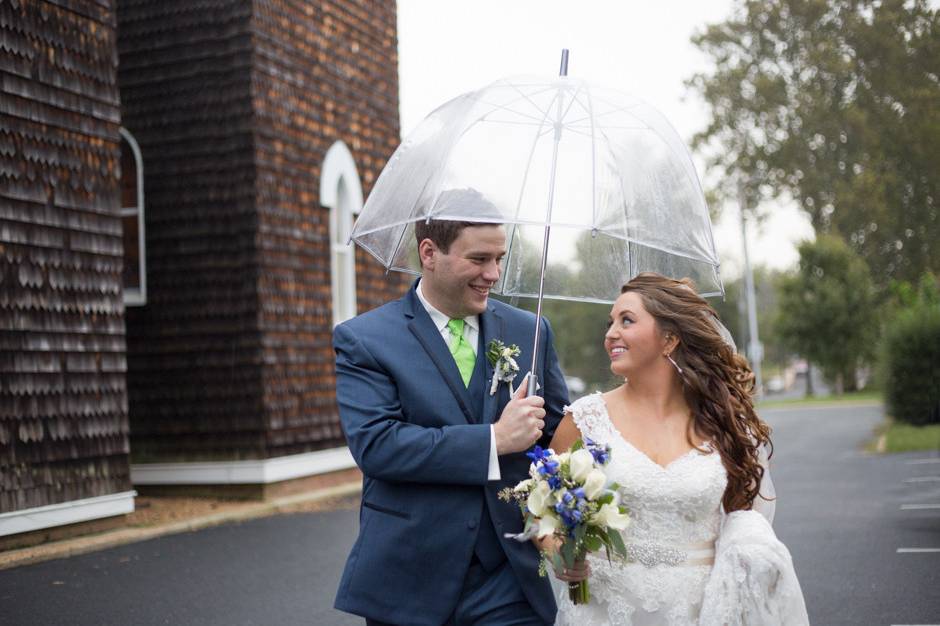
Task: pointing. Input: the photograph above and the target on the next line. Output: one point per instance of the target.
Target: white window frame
(341, 192)
(137, 297)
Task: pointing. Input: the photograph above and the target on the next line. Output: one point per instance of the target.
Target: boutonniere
(501, 357)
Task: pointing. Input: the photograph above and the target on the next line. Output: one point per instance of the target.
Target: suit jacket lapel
(430, 339)
(493, 327)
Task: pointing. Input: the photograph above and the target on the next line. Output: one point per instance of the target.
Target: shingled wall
(323, 71)
(234, 104)
(63, 404)
(194, 379)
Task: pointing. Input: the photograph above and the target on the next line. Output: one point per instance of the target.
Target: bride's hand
(581, 570)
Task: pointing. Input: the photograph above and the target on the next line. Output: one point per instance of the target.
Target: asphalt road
(839, 510)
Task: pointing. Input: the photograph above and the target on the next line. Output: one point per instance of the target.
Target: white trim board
(64, 513)
(250, 472)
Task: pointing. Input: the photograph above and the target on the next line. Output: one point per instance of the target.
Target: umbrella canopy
(604, 170)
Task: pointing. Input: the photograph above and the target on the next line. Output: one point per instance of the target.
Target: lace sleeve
(752, 580)
(590, 416)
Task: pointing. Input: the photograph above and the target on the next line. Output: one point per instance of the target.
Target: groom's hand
(521, 422)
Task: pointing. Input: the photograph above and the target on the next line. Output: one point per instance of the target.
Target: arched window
(341, 192)
(132, 221)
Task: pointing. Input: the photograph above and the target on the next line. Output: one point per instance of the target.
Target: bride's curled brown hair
(718, 383)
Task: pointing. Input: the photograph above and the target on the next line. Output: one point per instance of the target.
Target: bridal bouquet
(569, 496)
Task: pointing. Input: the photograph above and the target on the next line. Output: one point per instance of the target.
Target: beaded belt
(650, 554)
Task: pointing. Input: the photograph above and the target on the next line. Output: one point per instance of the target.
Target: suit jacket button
(472, 524)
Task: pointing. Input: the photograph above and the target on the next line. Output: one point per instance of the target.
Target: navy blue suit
(422, 440)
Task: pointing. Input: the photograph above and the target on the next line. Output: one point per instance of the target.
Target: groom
(435, 447)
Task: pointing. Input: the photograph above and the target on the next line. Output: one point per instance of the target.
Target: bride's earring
(674, 364)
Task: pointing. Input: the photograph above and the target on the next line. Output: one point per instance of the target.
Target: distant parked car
(776, 384)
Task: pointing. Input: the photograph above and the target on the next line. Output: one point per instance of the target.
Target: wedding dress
(688, 563)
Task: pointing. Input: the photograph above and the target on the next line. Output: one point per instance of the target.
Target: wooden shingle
(63, 400)
(234, 104)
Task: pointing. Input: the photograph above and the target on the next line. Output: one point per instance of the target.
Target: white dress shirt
(471, 332)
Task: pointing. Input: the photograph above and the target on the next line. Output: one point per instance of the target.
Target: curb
(122, 536)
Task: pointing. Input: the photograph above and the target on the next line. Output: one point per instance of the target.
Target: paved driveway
(839, 510)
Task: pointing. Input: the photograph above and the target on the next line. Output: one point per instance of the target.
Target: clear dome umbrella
(594, 187)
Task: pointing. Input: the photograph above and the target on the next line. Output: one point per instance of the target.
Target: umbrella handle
(533, 385)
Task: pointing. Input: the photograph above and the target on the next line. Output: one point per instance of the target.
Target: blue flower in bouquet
(572, 508)
(600, 452)
(540, 455)
(569, 495)
(547, 466)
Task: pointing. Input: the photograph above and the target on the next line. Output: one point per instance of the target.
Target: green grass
(898, 437)
(853, 397)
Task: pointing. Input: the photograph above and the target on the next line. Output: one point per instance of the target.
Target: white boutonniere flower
(502, 358)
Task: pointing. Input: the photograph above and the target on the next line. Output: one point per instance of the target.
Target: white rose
(538, 499)
(548, 524)
(594, 483)
(525, 485)
(609, 516)
(563, 457)
(582, 462)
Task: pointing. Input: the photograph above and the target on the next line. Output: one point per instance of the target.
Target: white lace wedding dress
(674, 576)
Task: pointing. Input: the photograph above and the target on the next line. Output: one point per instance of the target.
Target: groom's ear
(426, 250)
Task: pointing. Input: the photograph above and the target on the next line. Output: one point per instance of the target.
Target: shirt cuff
(493, 473)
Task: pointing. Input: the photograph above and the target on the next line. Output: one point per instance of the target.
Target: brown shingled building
(177, 184)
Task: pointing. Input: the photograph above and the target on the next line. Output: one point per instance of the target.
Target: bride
(688, 450)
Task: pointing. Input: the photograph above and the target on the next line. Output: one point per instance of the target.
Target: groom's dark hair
(468, 202)
(442, 232)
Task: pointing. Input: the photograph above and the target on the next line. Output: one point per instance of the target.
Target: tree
(827, 309)
(835, 103)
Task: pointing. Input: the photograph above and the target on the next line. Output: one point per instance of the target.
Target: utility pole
(755, 350)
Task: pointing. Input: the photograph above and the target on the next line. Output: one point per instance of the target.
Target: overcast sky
(448, 47)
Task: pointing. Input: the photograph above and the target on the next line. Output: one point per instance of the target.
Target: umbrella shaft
(538, 306)
(548, 231)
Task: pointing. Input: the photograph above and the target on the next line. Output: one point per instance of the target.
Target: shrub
(912, 363)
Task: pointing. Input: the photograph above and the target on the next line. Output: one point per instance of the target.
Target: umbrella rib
(370, 250)
(574, 98)
(508, 122)
(588, 299)
(525, 177)
(518, 222)
(683, 155)
(684, 255)
(526, 97)
(616, 108)
(522, 96)
(590, 107)
(641, 124)
(503, 107)
(528, 165)
(626, 221)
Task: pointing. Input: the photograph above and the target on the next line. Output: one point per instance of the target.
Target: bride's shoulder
(589, 414)
(588, 402)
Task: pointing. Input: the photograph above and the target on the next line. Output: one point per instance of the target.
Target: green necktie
(461, 350)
